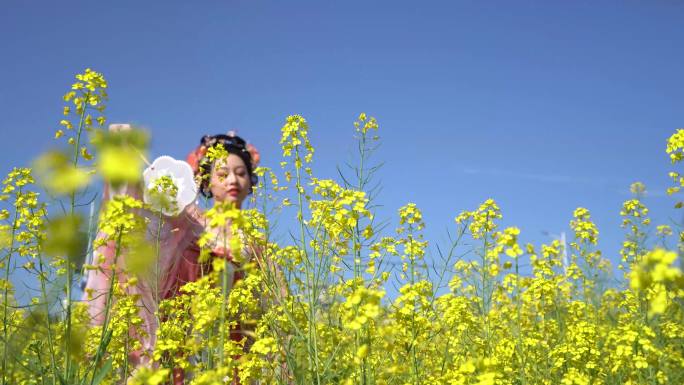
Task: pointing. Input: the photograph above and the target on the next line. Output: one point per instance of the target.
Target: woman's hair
(233, 144)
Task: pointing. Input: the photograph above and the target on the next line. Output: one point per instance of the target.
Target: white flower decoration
(182, 177)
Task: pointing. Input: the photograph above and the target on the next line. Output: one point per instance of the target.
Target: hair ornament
(195, 157)
(254, 153)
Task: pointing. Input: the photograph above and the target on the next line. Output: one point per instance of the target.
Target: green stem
(485, 275)
(156, 271)
(224, 296)
(43, 291)
(311, 282)
(414, 356)
(5, 324)
(357, 233)
(69, 272)
(226, 287)
(521, 347)
(125, 373)
(104, 341)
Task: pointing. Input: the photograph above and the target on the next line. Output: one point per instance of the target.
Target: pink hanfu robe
(177, 264)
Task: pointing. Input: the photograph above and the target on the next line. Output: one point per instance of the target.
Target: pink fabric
(189, 270)
(178, 264)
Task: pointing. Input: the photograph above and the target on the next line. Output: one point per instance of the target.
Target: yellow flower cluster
(365, 124)
(340, 302)
(337, 213)
(22, 229)
(89, 92)
(659, 279)
(481, 221)
(163, 193)
(585, 230)
(635, 219)
(675, 146)
(295, 134)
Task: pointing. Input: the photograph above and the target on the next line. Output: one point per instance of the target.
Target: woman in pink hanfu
(230, 180)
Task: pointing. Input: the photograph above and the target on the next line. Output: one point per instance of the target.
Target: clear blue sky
(544, 106)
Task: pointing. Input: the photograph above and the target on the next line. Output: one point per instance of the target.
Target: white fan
(182, 176)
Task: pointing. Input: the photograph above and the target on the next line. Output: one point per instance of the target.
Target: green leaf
(102, 373)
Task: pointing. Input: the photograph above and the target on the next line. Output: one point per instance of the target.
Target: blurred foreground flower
(59, 175)
(121, 153)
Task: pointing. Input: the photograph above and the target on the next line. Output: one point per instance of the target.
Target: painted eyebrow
(225, 168)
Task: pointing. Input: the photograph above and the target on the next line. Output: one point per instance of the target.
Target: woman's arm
(107, 262)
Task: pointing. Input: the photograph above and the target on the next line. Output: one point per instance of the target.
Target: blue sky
(543, 106)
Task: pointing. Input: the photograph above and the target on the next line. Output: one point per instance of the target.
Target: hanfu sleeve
(170, 238)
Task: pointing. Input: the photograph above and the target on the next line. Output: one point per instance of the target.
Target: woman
(225, 180)
(229, 179)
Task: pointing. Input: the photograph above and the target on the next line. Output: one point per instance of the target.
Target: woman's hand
(117, 127)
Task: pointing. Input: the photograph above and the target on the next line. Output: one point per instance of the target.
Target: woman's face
(230, 181)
